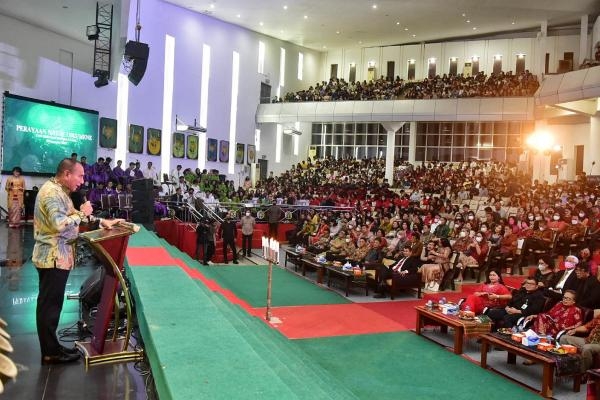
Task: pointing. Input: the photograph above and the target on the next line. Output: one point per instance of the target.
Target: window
(390, 70)
(497, 64)
(352, 76)
(520, 67)
(475, 66)
(431, 68)
(333, 71)
(453, 66)
(411, 70)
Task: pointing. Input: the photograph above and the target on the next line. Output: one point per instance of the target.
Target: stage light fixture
(92, 32)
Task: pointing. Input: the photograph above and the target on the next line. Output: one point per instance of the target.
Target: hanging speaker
(137, 53)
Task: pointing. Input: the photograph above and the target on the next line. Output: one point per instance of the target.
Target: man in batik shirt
(55, 227)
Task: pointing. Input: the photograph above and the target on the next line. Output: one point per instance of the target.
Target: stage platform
(200, 344)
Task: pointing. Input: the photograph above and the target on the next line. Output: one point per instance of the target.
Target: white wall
(443, 51)
(29, 66)
(570, 135)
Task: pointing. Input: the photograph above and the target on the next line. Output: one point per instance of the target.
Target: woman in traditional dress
(564, 315)
(15, 187)
(491, 294)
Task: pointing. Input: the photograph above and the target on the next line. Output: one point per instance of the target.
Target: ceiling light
(285, 7)
(337, 32)
(374, 6)
(405, 29)
(468, 21)
(464, 15)
(260, 23)
(306, 17)
(239, 16)
(324, 46)
(212, 5)
(397, 23)
(414, 35)
(360, 42)
(474, 28)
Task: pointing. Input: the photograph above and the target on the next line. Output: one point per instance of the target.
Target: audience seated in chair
(491, 295)
(525, 301)
(405, 271)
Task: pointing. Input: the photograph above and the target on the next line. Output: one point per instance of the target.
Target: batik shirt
(55, 227)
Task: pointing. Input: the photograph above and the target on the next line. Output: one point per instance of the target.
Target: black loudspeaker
(91, 289)
(142, 201)
(138, 53)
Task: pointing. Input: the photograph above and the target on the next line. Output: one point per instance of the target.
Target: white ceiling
(336, 23)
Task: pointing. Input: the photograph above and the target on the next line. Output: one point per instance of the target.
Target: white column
(583, 40)
(412, 142)
(542, 46)
(594, 145)
(389, 157)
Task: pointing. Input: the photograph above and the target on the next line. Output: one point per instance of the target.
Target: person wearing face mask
(563, 280)
(540, 239)
(556, 223)
(572, 235)
(473, 255)
(442, 229)
(248, 222)
(544, 274)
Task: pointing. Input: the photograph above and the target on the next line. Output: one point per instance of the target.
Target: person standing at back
(55, 228)
(15, 188)
(229, 233)
(248, 223)
(274, 214)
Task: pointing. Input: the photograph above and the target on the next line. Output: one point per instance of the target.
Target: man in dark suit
(563, 280)
(528, 300)
(588, 290)
(405, 269)
(229, 233)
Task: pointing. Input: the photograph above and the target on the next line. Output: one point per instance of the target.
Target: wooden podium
(110, 245)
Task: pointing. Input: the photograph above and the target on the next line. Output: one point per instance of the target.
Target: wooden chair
(125, 205)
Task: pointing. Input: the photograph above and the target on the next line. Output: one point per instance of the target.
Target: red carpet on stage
(345, 319)
(149, 256)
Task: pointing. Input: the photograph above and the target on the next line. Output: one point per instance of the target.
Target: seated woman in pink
(564, 315)
(491, 294)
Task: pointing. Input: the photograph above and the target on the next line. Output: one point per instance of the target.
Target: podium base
(113, 352)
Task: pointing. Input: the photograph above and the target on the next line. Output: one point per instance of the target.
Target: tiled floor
(18, 293)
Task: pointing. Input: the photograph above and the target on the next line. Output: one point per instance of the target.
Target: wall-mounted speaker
(137, 53)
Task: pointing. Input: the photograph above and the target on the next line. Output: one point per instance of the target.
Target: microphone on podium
(135, 228)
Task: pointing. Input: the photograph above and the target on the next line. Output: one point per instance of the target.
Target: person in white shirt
(176, 173)
(150, 173)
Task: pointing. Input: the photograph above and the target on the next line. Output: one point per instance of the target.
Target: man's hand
(109, 223)
(86, 208)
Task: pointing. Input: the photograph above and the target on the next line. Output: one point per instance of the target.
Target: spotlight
(102, 78)
(92, 32)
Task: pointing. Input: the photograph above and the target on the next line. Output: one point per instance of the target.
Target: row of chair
(8, 369)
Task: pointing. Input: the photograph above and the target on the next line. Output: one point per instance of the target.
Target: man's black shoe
(60, 359)
(235, 262)
(67, 350)
(380, 296)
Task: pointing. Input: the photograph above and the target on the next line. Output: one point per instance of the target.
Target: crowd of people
(503, 84)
